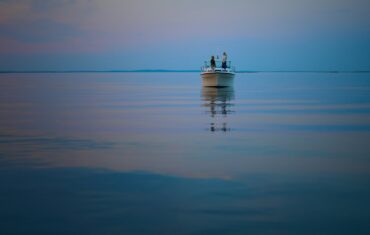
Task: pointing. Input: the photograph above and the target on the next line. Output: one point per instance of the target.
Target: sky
(182, 34)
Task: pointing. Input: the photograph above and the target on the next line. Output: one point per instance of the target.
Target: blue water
(155, 153)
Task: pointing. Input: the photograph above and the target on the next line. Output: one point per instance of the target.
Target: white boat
(217, 76)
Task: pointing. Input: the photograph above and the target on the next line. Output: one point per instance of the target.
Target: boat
(217, 76)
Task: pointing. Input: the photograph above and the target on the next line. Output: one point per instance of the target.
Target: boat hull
(216, 79)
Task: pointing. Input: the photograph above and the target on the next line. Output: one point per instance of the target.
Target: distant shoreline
(179, 71)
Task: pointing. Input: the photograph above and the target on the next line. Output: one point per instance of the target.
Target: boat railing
(207, 66)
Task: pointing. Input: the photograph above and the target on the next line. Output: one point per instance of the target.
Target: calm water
(154, 153)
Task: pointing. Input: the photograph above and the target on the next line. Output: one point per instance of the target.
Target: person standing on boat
(224, 61)
(213, 63)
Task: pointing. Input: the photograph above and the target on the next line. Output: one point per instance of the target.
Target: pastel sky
(181, 34)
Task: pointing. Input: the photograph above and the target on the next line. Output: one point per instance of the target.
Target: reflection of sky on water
(293, 153)
(65, 201)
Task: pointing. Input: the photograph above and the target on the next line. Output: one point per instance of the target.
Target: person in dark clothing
(213, 62)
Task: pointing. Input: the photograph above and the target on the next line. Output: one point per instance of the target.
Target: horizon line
(176, 70)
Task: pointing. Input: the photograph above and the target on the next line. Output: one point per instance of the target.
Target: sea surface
(155, 153)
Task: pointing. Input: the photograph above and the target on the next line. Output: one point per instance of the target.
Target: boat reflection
(218, 101)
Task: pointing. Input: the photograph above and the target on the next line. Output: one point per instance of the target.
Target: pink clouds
(119, 24)
(143, 27)
(72, 45)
